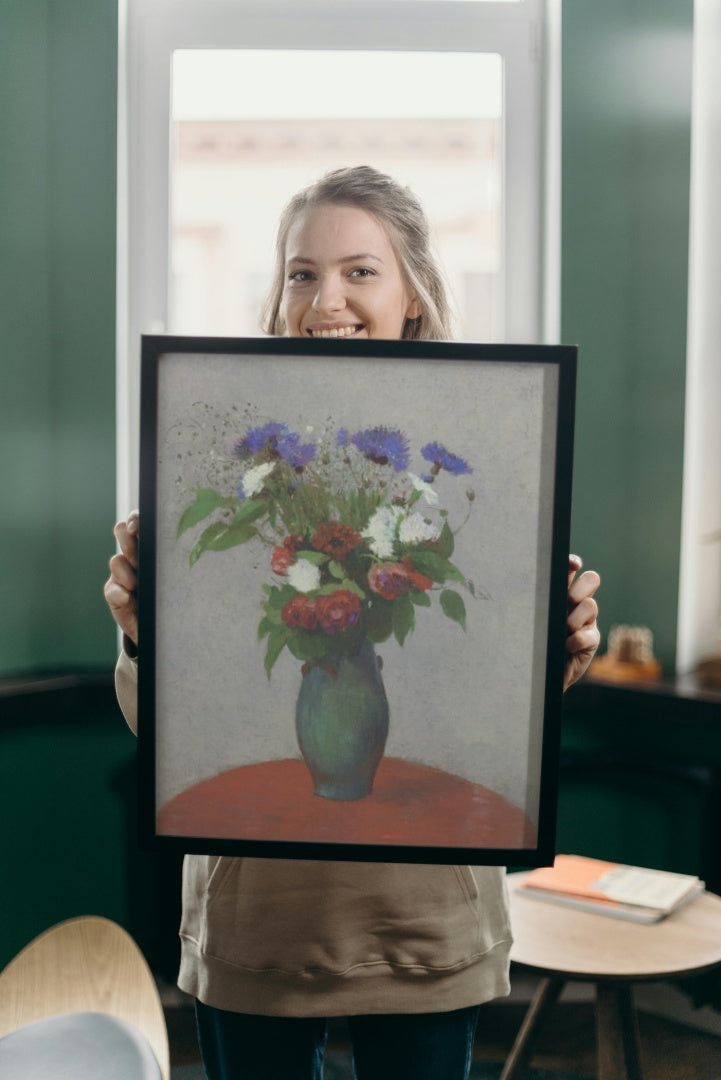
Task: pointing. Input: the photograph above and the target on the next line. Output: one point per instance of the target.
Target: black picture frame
(464, 572)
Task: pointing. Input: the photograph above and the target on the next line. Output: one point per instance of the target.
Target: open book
(607, 888)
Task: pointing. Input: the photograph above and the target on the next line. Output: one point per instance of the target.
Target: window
(227, 107)
(235, 161)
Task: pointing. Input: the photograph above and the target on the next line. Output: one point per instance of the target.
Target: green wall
(626, 146)
(58, 72)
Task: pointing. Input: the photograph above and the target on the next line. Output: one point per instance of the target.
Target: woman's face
(342, 277)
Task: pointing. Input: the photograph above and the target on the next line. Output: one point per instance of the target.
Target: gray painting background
(463, 702)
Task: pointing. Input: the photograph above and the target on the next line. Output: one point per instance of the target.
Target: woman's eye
(362, 272)
(300, 276)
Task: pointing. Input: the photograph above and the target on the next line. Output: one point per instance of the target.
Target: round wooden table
(410, 803)
(563, 944)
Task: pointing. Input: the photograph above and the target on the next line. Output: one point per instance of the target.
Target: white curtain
(700, 584)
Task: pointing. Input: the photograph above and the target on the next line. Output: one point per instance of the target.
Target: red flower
(416, 578)
(300, 613)
(335, 539)
(293, 542)
(280, 559)
(337, 611)
(391, 580)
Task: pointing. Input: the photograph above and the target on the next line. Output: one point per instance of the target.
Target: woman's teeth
(337, 331)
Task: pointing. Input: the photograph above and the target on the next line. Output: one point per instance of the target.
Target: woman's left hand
(583, 636)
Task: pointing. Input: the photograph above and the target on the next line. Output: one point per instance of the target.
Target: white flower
(415, 529)
(303, 576)
(427, 490)
(381, 530)
(253, 479)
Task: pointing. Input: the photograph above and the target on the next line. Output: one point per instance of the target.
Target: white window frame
(526, 34)
(699, 597)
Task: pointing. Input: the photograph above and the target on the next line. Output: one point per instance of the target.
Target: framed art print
(352, 597)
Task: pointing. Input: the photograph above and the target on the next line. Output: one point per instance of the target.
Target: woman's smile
(335, 331)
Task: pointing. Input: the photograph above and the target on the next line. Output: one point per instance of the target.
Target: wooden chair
(89, 972)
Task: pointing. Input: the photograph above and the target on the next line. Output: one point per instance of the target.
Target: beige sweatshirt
(285, 937)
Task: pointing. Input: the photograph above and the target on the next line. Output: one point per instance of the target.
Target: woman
(271, 948)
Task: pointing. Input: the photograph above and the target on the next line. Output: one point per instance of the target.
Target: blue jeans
(415, 1046)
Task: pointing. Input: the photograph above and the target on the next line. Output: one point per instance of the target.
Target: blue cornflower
(384, 446)
(342, 438)
(293, 452)
(441, 458)
(259, 438)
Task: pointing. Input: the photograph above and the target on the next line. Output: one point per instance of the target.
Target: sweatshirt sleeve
(126, 688)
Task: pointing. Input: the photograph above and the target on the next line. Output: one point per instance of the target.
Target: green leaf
(435, 566)
(354, 587)
(307, 646)
(220, 536)
(206, 501)
(273, 615)
(446, 541)
(278, 596)
(206, 539)
(453, 606)
(250, 510)
(336, 570)
(420, 598)
(265, 626)
(277, 640)
(404, 618)
(379, 621)
(454, 574)
(233, 536)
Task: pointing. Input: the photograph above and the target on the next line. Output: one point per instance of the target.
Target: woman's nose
(329, 296)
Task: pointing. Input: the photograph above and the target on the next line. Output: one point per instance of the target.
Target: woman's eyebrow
(361, 257)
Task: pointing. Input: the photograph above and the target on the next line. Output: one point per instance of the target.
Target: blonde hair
(403, 217)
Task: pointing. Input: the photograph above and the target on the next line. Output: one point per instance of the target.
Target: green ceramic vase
(341, 721)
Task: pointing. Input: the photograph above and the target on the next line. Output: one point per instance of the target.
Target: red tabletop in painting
(410, 804)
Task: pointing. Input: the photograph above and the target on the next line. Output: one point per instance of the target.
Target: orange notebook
(631, 892)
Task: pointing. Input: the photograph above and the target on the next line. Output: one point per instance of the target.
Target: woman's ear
(415, 309)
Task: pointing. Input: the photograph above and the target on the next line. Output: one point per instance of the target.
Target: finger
(123, 608)
(575, 562)
(576, 666)
(123, 572)
(582, 614)
(119, 599)
(585, 585)
(583, 641)
(126, 534)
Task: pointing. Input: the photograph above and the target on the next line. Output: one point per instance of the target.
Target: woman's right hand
(121, 587)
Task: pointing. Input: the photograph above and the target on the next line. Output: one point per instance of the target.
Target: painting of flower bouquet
(357, 546)
(352, 597)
